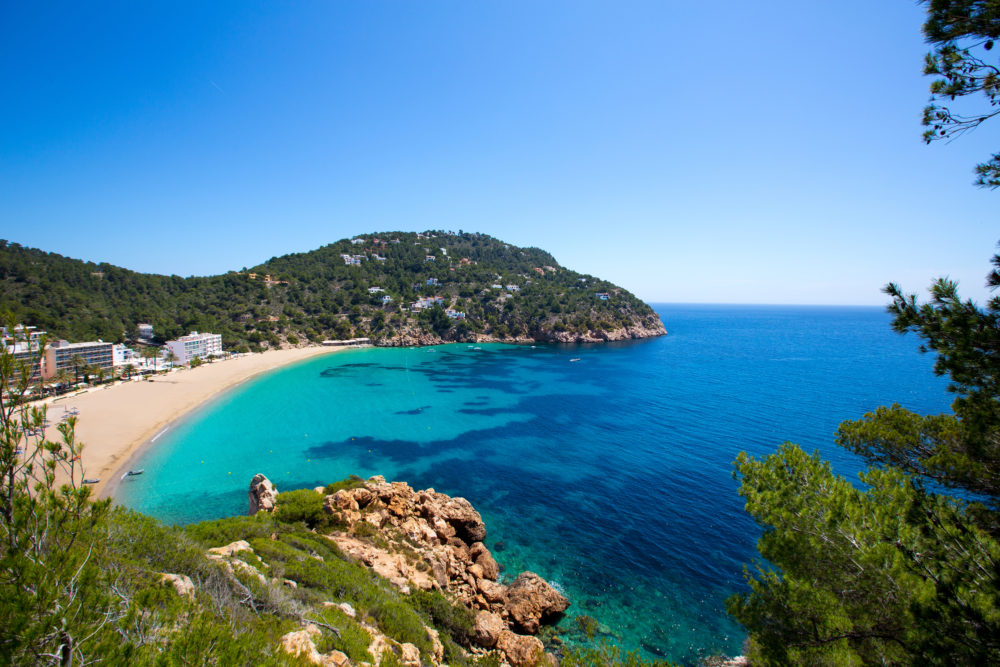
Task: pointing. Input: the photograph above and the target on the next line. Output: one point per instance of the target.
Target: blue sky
(726, 152)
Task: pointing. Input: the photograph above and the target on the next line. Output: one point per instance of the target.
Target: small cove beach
(114, 422)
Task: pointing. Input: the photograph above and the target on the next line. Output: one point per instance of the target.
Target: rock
(319, 489)
(344, 500)
(459, 513)
(491, 570)
(347, 609)
(336, 659)
(181, 583)
(492, 591)
(437, 648)
(291, 584)
(262, 494)
(229, 549)
(487, 629)
(300, 643)
(521, 651)
(363, 496)
(409, 655)
(530, 600)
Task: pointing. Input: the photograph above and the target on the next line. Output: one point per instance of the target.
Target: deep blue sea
(610, 476)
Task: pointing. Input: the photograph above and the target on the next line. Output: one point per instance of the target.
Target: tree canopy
(963, 33)
(903, 568)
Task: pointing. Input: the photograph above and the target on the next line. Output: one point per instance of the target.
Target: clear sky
(740, 152)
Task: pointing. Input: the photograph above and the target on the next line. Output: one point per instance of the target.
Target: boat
(133, 473)
(92, 480)
(575, 359)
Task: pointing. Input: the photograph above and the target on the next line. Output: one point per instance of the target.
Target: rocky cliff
(430, 541)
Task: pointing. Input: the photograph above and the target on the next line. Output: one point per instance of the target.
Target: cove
(609, 476)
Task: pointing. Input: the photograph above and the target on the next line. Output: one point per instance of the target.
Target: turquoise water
(610, 476)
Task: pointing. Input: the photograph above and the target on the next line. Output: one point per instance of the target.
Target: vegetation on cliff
(351, 288)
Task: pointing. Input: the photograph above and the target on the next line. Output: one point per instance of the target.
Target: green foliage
(893, 572)
(303, 505)
(351, 482)
(608, 656)
(454, 619)
(963, 33)
(587, 625)
(223, 531)
(324, 297)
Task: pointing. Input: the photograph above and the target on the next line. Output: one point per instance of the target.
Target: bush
(351, 482)
(456, 620)
(303, 505)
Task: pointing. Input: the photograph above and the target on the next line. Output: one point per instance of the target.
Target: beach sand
(115, 421)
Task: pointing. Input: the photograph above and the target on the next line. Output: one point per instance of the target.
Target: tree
(897, 572)
(46, 543)
(963, 32)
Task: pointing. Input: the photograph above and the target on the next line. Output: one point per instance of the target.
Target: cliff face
(415, 337)
(430, 541)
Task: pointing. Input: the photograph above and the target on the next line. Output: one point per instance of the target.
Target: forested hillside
(355, 287)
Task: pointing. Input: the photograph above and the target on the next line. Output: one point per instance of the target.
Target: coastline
(118, 422)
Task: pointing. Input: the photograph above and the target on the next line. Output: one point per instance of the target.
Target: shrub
(303, 505)
(351, 482)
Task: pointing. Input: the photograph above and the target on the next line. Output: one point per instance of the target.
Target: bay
(607, 469)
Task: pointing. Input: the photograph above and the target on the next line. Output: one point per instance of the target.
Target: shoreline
(118, 423)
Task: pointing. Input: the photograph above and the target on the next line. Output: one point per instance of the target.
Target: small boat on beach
(92, 480)
(133, 473)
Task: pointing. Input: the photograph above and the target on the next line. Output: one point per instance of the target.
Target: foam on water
(610, 476)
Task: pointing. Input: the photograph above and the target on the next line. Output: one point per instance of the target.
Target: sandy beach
(115, 421)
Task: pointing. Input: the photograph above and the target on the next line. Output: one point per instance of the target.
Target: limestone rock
(300, 643)
(530, 600)
(521, 651)
(409, 655)
(181, 583)
(229, 549)
(262, 494)
(336, 659)
(487, 629)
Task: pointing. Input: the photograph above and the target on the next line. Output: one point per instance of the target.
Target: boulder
(409, 655)
(344, 500)
(262, 494)
(300, 644)
(521, 651)
(487, 629)
(531, 601)
(181, 583)
(462, 516)
(491, 570)
(229, 549)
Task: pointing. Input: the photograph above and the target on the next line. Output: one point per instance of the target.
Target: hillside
(355, 287)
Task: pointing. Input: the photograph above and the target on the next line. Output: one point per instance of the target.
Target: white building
(64, 356)
(195, 345)
(145, 331)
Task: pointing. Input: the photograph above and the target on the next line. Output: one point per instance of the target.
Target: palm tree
(170, 357)
(78, 365)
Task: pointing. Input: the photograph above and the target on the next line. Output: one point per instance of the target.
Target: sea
(607, 469)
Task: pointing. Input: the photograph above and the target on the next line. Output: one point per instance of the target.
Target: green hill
(355, 287)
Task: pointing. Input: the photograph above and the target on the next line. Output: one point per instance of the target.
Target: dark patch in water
(414, 411)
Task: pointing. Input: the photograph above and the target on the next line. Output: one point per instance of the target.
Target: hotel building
(61, 356)
(194, 345)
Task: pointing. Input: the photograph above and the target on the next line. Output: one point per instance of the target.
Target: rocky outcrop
(262, 494)
(532, 601)
(410, 336)
(428, 540)
(181, 583)
(302, 644)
